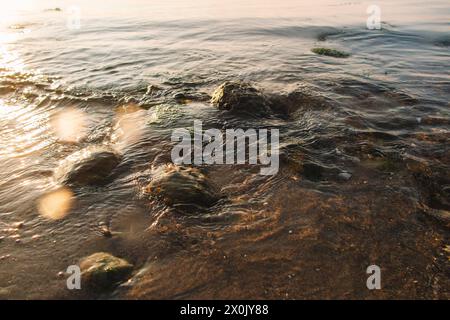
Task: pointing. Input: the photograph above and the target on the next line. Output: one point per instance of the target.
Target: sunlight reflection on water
(101, 97)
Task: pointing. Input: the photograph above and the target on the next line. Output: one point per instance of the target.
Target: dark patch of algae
(330, 52)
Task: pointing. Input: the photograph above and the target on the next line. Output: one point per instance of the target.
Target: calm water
(303, 233)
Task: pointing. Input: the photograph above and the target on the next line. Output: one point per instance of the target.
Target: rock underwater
(89, 166)
(102, 271)
(240, 98)
(182, 187)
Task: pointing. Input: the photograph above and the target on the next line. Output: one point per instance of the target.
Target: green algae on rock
(104, 271)
(88, 166)
(182, 187)
(330, 52)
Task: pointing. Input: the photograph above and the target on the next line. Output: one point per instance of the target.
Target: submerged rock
(312, 171)
(5, 292)
(103, 271)
(303, 98)
(344, 176)
(182, 186)
(330, 52)
(239, 97)
(152, 89)
(432, 181)
(88, 166)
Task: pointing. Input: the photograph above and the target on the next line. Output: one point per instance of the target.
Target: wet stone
(182, 187)
(5, 293)
(305, 97)
(344, 176)
(312, 171)
(180, 96)
(241, 98)
(152, 89)
(18, 225)
(89, 166)
(316, 171)
(103, 271)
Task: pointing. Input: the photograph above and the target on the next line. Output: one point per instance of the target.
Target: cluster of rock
(178, 186)
(242, 99)
(185, 189)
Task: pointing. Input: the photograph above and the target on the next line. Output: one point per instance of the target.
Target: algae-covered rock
(239, 97)
(182, 186)
(103, 271)
(330, 52)
(88, 166)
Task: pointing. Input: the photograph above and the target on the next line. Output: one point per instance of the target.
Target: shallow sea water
(381, 115)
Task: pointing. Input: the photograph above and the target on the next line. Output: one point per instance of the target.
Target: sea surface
(365, 163)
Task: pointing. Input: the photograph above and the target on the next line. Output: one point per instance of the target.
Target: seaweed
(330, 52)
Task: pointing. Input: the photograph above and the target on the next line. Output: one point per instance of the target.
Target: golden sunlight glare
(69, 125)
(9, 9)
(56, 204)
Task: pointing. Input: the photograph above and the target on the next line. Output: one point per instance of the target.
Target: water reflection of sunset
(10, 9)
(87, 116)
